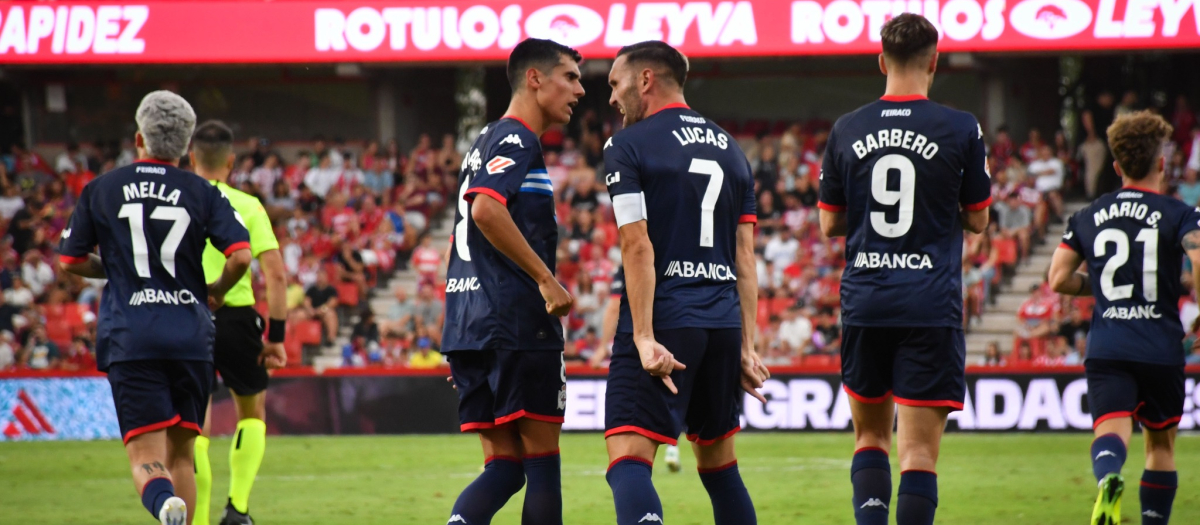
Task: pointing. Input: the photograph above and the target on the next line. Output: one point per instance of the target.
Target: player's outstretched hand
(558, 301)
(659, 361)
(754, 374)
(273, 356)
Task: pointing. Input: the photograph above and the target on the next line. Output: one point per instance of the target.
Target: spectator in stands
(781, 248)
(399, 321)
(827, 338)
(1056, 353)
(354, 353)
(324, 176)
(265, 176)
(366, 328)
(1050, 174)
(1035, 319)
(1189, 188)
(40, 353)
(1092, 153)
(1023, 356)
(1077, 353)
(1129, 103)
(424, 356)
(587, 346)
(1076, 323)
(572, 354)
(8, 356)
(350, 266)
(427, 314)
(19, 295)
(992, 355)
(426, 260)
(1194, 357)
(25, 223)
(320, 302)
(11, 202)
(795, 332)
(79, 356)
(1015, 221)
(36, 273)
(1032, 148)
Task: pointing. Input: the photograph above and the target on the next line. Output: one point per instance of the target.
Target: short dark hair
(908, 37)
(212, 142)
(660, 55)
(536, 53)
(1136, 141)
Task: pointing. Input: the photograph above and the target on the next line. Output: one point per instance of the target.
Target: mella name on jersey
(150, 189)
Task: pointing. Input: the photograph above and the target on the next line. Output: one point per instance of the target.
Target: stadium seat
(308, 332)
(347, 294)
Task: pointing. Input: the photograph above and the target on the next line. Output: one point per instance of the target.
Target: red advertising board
(253, 31)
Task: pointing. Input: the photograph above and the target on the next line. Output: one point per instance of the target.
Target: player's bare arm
(833, 223)
(754, 372)
(1065, 279)
(235, 267)
(271, 263)
(608, 329)
(1191, 245)
(92, 268)
(494, 220)
(637, 256)
(975, 221)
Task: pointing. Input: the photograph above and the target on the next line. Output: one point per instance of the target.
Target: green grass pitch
(1006, 479)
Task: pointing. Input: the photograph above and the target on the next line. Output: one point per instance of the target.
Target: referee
(238, 350)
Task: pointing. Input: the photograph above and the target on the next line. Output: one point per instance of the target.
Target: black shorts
(920, 366)
(709, 403)
(499, 386)
(156, 394)
(1152, 394)
(236, 349)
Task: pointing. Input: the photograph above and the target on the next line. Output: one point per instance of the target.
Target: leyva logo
(1051, 19)
(569, 25)
(27, 419)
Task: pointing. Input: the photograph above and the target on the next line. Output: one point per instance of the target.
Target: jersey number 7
(708, 203)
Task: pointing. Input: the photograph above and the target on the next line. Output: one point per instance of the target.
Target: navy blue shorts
(499, 386)
(156, 394)
(1152, 394)
(709, 403)
(920, 366)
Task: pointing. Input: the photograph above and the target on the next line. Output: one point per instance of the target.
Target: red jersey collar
(903, 98)
(518, 119)
(156, 161)
(675, 105)
(1139, 188)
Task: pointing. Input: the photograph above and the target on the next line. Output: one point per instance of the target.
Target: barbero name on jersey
(700, 270)
(698, 135)
(150, 189)
(465, 284)
(895, 138)
(1132, 209)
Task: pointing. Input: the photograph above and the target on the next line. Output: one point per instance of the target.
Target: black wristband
(275, 330)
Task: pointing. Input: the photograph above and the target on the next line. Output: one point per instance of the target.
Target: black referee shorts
(237, 347)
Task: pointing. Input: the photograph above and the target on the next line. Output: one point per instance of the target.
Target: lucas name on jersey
(895, 261)
(895, 138)
(1135, 210)
(466, 284)
(697, 135)
(693, 270)
(150, 190)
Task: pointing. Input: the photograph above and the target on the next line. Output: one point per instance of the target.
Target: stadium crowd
(350, 214)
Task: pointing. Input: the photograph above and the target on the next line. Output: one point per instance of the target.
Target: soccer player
(1133, 241)
(683, 197)
(902, 177)
(502, 335)
(238, 351)
(155, 334)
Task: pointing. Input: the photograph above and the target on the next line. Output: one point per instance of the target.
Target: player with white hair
(151, 221)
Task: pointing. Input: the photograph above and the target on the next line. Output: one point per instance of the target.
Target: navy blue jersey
(1131, 240)
(902, 168)
(692, 185)
(151, 221)
(491, 303)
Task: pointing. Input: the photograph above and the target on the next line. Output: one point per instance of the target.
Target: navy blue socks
(917, 499)
(730, 500)
(633, 492)
(501, 478)
(543, 489)
(1158, 494)
(155, 493)
(871, 476)
(1108, 455)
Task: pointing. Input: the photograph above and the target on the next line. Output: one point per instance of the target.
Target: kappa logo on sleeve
(498, 164)
(513, 139)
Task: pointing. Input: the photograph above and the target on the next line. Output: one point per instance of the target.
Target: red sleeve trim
(748, 218)
(70, 259)
(470, 195)
(979, 206)
(235, 247)
(830, 207)
(1065, 246)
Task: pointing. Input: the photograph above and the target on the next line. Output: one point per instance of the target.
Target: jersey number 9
(903, 196)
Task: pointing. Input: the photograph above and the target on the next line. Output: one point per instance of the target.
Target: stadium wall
(346, 402)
